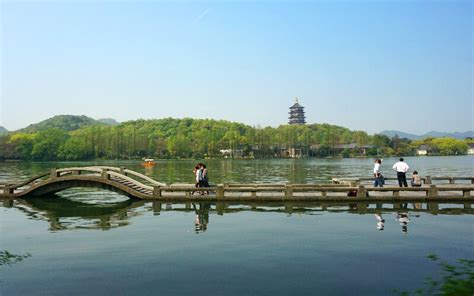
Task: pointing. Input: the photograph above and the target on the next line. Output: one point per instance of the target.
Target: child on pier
(415, 180)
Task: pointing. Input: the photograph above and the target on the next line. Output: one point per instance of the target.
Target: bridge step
(131, 185)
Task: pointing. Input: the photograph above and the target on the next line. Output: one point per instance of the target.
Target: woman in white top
(377, 175)
(197, 174)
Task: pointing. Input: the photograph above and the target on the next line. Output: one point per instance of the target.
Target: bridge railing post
(220, 191)
(105, 174)
(253, 193)
(433, 191)
(9, 190)
(428, 180)
(54, 174)
(288, 190)
(157, 191)
(361, 191)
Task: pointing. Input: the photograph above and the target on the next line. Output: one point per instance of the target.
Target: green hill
(62, 122)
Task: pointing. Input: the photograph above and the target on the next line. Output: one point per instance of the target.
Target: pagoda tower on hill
(296, 114)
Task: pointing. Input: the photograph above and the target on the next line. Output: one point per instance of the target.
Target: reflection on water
(63, 213)
(403, 219)
(457, 279)
(7, 258)
(380, 222)
(202, 216)
(66, 214)
(120, 246)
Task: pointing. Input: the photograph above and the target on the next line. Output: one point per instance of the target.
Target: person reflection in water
(202, 217)
(380, 222)
(403, 220)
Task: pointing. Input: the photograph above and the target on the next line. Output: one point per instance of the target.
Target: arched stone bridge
(121, 180)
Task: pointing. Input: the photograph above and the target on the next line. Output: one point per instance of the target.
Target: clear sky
(372, 66)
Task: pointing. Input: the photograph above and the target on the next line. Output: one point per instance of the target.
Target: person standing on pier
(379, 179)
(402, 168)
(198, 176)
(204, 181)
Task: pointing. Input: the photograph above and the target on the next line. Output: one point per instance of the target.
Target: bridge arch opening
(93, 195)
(64, 186)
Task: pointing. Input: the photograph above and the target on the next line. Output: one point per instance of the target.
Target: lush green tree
(23, 144)
(450, 146)
(75, 149)
(402, 146)
(380, 141)
(47, 143)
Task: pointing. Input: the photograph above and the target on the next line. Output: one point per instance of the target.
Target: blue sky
(372, 66)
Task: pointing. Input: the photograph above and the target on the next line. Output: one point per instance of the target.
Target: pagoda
(296, 114)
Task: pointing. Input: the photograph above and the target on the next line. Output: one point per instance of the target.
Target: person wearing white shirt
(379, 180)
(402, 168)
(377, 166)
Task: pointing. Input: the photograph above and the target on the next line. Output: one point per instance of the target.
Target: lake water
(272, 170)
(87, 241)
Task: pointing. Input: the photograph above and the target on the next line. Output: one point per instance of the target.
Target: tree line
(202, 138)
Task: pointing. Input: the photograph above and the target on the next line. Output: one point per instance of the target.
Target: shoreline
(238, 159)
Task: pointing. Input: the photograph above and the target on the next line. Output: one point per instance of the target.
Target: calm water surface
(91, 242)
(279, 170)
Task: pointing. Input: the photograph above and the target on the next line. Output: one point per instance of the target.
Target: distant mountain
(3, 130)
(392, 134)
(456, 135)
(63, 122)
(436, 134)
(108, 121)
